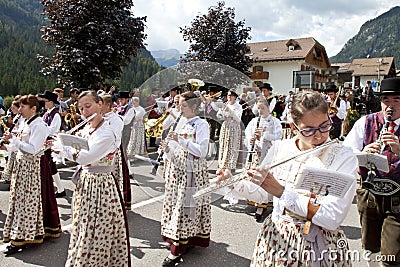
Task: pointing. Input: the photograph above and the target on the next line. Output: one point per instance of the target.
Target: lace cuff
(294, 201)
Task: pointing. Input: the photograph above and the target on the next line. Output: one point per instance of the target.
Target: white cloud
(332, 23)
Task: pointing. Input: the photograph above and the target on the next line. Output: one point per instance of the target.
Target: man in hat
(266, 92)
(53, 120)
(379, 201)
(337, 110)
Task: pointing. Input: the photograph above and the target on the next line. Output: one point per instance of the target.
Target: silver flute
(243, 175)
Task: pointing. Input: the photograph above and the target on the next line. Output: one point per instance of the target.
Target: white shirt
(342, 110)
(116, 124)
(55, 124)
(140, 112)
(129, 116)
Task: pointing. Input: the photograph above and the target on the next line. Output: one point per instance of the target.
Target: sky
(331, 23)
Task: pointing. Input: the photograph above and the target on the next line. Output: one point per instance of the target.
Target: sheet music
(380, 161)
(73, 141)
(336, 183)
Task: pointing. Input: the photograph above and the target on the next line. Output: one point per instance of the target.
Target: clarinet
(155, 167)
(250, 158)
(15, 120)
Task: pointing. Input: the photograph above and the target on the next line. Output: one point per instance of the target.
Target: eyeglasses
(323, 128)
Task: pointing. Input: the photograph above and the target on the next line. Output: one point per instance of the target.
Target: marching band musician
(137, 141)
(53, 121)
(174, 113)
(266, 90)
(210, 110)
(127, 112)
(151, 100)
(121, 171)
(230, 133)
(337, 110)
(302, 221)
(185, 222)
(73, 97)
(379, 207)
(5, 175)
(99, 235)
(33, 213)
(261, 131)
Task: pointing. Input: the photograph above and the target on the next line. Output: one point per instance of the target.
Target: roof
(341, 67)
(278, 50)
(369, 66)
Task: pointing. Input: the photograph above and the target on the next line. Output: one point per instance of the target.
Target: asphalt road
(233, 234)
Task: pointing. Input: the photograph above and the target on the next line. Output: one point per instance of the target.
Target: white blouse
(116, 124)
(272, 130)
(194, 137)
(230, 112)
(140, 112)
(55, 124)
(32, 137)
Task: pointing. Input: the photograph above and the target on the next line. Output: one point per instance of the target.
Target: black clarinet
(15, 120)
(250, 159)
(155, 167)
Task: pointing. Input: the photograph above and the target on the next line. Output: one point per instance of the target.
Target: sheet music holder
(366, 159)
(334, 183)
(74, 141)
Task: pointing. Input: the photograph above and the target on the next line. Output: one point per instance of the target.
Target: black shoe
(171, 262)
(11, 249)
(61, 194)
(258, 217)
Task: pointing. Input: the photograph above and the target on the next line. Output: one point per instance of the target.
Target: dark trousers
(380, 224)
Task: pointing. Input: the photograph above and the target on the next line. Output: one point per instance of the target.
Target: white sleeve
(55, 124)
(128, 117)
(355, 138)
(341, 110)
(200, 147)
(100, 145)
(140, 112)
(37, 138)
(272, 104)
(277, 131)
(249, 132)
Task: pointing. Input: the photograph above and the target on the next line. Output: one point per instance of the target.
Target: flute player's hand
(223, 175)
(262, 177)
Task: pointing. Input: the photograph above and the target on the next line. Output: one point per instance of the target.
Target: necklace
(92, 130)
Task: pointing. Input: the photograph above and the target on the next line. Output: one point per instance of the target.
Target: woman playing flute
(302, 225)
(186, 223)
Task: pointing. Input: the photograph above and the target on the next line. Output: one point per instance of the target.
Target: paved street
(233, 235)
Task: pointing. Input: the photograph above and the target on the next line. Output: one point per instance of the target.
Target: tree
(92, 39)
(218, 38)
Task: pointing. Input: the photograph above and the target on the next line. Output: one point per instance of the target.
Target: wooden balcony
(258, 75)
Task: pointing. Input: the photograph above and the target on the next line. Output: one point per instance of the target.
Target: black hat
(265, 86)
(331, 88)
(233, 93)
(50, 96)
(124, 94)
(213, 89)
(390, 86)
(74, 90)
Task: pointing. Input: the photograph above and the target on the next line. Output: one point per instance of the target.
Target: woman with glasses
(304, 227)
(230, 133)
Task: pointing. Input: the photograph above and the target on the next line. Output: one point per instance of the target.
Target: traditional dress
(282, 231)
(137, 142)
(230, 136)
(186, 222)
(99, 235)
(33, 212)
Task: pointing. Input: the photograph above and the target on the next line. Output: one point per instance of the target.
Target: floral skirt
(24, 223)
(283, 244)
(185, 223)
(229, 145)
(100, 230)
(6, 173)
(137, 141)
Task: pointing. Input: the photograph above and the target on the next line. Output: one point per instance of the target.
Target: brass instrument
(196, 84)
(2, 123)
(333, 109)
(70, 119)
(243, 175)
(15, 120)
(154, 127)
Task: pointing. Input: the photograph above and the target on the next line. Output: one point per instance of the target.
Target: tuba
(195, 84)
(154, 127)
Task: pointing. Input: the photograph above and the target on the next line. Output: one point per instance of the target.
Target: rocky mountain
(378, 37)
(166, 58)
